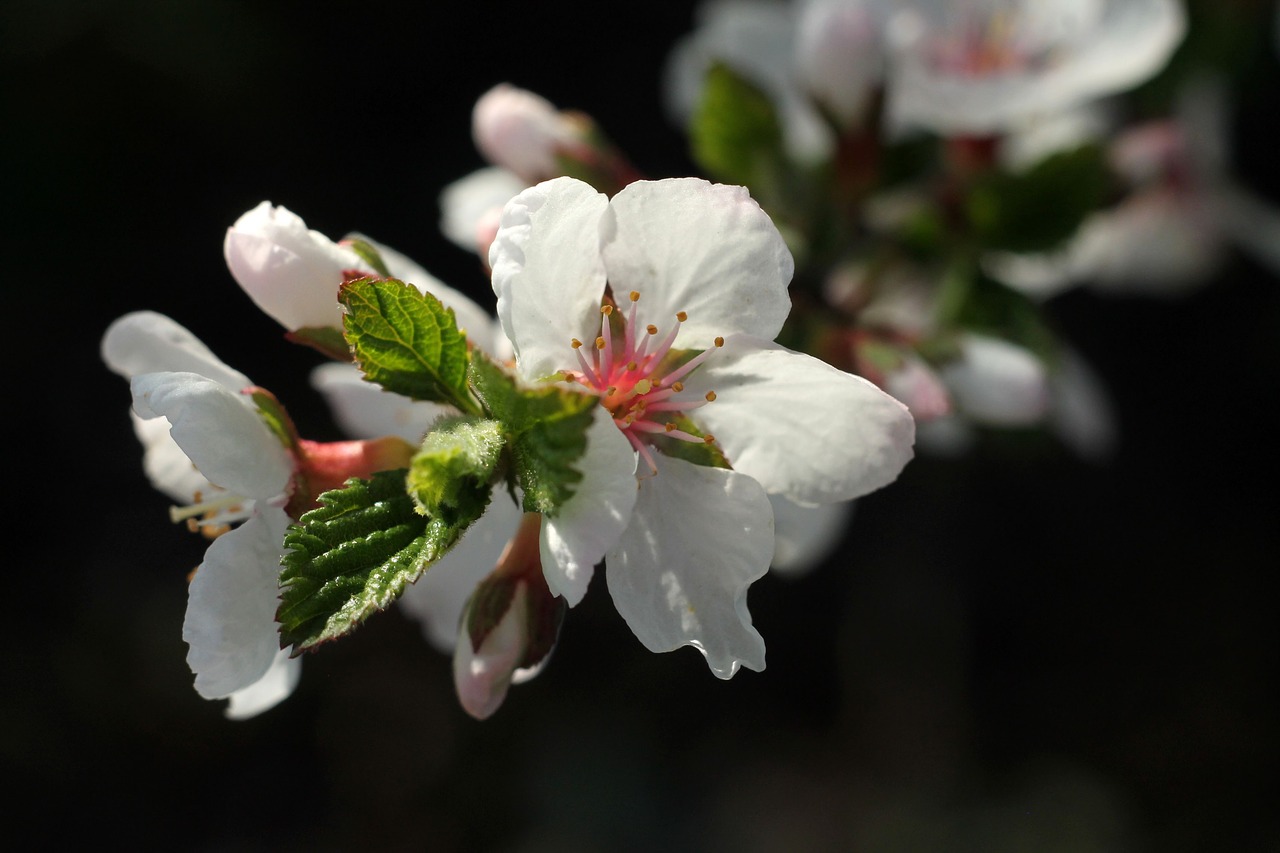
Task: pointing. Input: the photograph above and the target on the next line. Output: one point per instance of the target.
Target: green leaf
(735, 133)
(407, 341)
(1039, 208)
(354, 555)
(546, 429)
(454, 469)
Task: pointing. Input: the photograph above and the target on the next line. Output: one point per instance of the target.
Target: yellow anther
(606, 310)
(669, 427)
(631, 365)
(682, 316)
(599, 343)
(678, 387)
(709, 439)
(575, 343)
(711, 395)
(651, 329)
(634, 296)
(719, 341)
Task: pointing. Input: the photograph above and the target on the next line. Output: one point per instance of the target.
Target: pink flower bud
(509, 626)
(521, 131)
(482, 673)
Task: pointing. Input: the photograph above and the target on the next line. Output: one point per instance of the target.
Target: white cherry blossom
(1173, 231)
(797, 53)
(979, 67)
(683, 267)
(205, 444)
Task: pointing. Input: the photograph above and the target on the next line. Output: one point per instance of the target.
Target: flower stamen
(624, 374)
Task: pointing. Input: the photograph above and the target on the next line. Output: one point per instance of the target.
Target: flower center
(213, 517)
(636, 382)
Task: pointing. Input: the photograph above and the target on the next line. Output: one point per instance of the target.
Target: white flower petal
(1155, 243)
(680, 573)
(1080, 410)
(231, 604)
(997, 383)
(590, 522)
(365, 410)
(708, 249)
(801, 427)
(838, 54)
(291, 272)
(1058, 54)
(219, 431)
(147, 342)
(466, 203)
(547, 273)
(438, 597)
(269, 690)
(166, 466)
(804, 536)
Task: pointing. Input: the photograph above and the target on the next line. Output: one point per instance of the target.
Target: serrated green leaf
(735, 134)
(454, 468)
(354, 555)
(1039, 208)
(546, 429)
(407, 341)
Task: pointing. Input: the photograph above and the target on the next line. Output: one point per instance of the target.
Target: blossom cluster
(683, 381)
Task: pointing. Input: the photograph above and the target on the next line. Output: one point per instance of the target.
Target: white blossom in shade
(293, 273)
(1081, 413)
(471, 207)
(804, 536)
(242, 474)
(521, 131)
(1174, 229)
(997, 383)
(697, 269)
(756, 38)
(839, 55)
(919, 387)
(982, 67)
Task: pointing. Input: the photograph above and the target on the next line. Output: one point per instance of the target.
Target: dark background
(1012, 651)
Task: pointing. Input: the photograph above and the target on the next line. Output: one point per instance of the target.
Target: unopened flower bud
(291, 272)
(838, 55)
(521, 131)
(509, 626)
